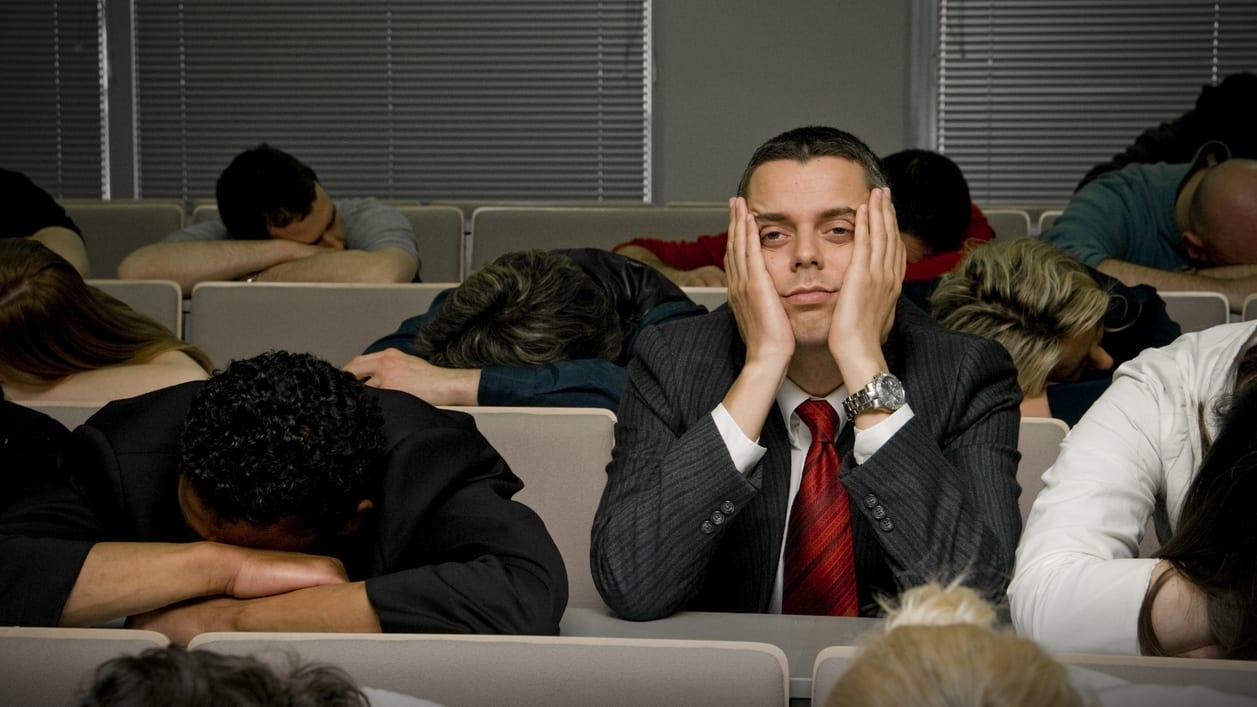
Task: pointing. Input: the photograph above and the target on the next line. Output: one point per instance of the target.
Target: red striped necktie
(819, 573)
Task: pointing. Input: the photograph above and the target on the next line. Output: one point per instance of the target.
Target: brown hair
(53, 324)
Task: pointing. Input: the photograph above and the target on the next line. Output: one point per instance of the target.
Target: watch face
(890, 392)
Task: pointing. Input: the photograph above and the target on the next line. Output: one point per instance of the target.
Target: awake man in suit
(718, 496)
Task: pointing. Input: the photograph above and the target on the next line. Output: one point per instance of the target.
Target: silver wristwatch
(884, 392)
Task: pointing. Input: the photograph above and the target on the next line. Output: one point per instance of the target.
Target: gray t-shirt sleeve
(370, 225)
(198, 232)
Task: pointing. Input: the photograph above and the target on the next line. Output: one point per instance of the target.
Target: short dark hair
(264, 187)
(931, 197)
(199, 678)
(283, 435)
(523, 309)
(803, 144)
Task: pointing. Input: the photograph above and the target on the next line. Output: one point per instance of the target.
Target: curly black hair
(283, 435)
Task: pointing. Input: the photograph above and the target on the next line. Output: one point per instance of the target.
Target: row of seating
(337, 321)
(534, 440)
(48, 666)
(452, 240)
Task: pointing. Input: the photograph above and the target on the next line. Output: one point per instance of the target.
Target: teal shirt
(1127, 215)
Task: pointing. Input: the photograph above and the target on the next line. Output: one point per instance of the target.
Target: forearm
(121, 579)
(1234, 284)
(189, 263)
(382, 266)
(649, 257)
(339, 608)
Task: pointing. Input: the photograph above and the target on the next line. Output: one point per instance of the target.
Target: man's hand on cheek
(865, 309)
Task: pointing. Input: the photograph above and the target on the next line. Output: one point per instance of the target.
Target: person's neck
(815, 371)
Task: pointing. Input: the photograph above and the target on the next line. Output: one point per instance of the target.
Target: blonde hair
(1025, 294)
(940, 650)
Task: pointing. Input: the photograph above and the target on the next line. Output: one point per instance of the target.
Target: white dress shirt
(746, 452)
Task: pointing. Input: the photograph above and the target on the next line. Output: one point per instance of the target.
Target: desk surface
(799, 637)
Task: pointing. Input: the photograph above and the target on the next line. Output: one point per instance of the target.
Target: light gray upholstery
(113, 228)
(335, 321)
(536, 671)
(48, 666)
(562, 455)
(1008, 223)
(161, 300)
(1195, 311)
(1038, 440)
(828, 669)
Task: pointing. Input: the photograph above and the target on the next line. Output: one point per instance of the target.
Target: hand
(181, 622)
(394, 370)
(260, 573)
(865, 309)
(753, 297)
(706, 276)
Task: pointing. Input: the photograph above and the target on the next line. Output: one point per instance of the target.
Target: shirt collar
(790, 396)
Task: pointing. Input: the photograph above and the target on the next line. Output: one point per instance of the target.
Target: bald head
(1223, 214)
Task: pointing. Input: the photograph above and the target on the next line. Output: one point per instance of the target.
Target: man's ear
(1194, 247)
(360, 514)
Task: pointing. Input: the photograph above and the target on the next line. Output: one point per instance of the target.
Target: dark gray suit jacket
(937, 500)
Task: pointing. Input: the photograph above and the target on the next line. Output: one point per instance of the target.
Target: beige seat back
(831, 663)
(1008, 223)
(1038, 440)
(69, 414)
(439, 234)
(48, 666)
(113, 228)
(709, 297)
(1238, 677)
(1195, 311)
(231, 320)
(1048, 218)
(499, 230)
(162, 300)
(1250, 307)
(536, 671)
(562, 455)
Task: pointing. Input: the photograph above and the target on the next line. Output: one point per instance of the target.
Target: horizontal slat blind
(50, 96)
(1033, 93)
(407, 100)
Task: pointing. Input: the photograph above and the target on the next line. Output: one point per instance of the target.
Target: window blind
(51, 120)
(420, 100)
(1033, 93)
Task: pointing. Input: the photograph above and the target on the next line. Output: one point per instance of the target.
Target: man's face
(285, 534)
(323, 226)
(806, 217)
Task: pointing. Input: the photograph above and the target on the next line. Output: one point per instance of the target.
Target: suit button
(887, 525)
(708, 527)
(879, 513)
(717, 517)
(727, 507)
(870, 501)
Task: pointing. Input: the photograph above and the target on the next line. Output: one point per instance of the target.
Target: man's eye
(770, 236)
(840, 231)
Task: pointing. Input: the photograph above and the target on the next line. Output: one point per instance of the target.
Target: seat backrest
(439, 235)
(162, 300)
(562, 455)
(831, 663)
(1250, 307)
(709, 297)
(336, 322)
(535, 671)
(1238, 677)
(113, 228)
(499, 230)
(469, 206)
(48, 666)
(1195, 311)
(1047, 218)
(1008, 223)
(1038, 440)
